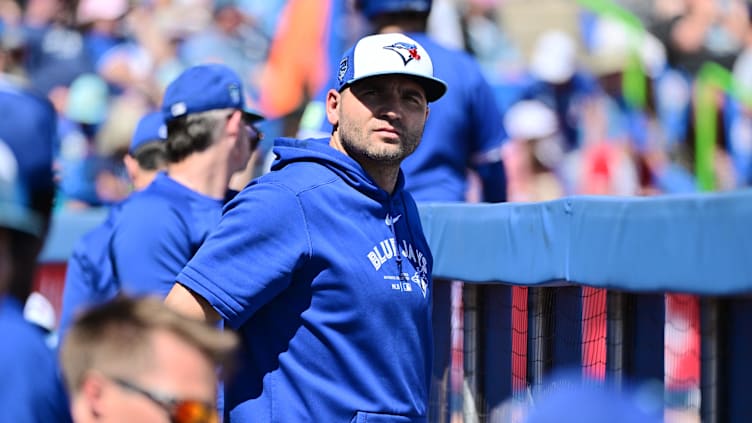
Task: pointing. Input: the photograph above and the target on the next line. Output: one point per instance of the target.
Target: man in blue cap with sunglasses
(321, 264)
(210, 136)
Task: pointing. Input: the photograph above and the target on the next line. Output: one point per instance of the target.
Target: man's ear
(333, 101)
(131, 166)
(89, 401)
(233, 123)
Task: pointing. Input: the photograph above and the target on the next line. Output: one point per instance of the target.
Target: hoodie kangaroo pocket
(365, 417)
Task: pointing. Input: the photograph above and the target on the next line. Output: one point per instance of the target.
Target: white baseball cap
(530, 119)
(389, 54)
(554, 58)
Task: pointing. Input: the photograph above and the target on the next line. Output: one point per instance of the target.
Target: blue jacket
(157, 231)
(327, 278)
(88, 278)
(31, 389)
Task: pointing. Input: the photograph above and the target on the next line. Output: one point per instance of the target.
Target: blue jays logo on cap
(406, 51)
(389, 54)
(342, 69)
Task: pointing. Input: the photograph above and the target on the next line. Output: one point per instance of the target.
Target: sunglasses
(179, 410)
(254, 134)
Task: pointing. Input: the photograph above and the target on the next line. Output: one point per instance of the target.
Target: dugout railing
(666, 279)
(630, 290)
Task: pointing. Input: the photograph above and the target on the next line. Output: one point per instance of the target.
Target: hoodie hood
(289, 151)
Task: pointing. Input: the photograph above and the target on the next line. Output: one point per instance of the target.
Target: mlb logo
(407, 287)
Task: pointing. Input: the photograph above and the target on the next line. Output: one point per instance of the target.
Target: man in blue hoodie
(465, 132)
(321, 265)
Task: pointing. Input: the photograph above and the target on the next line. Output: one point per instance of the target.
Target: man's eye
(414, 98)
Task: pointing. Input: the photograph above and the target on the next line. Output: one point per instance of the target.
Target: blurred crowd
(597, 97)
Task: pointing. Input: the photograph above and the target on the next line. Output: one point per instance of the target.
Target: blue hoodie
(336, 327)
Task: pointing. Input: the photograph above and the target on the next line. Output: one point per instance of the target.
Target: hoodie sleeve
(251, 256)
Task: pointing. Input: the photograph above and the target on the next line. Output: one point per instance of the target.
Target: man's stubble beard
(378, 153)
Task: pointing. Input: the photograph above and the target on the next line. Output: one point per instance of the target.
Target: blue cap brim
(251, 116)
(433, 87)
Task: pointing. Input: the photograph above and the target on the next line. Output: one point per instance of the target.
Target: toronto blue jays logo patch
(342, 69)
(234, 92)
(406, 51)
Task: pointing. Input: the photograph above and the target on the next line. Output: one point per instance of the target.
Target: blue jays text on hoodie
(157, 231)
(327, 278)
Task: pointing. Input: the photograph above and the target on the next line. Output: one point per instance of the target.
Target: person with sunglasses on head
(88, 277)
(321, 264)
(135, 360)
(208, 140)
(30, 388)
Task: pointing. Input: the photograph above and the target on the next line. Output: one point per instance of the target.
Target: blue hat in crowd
(27, 137)
(389, 54)
(151, 127)
(206, 87)
(371, 8)
(570, 398)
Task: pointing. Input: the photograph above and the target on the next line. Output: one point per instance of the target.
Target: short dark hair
(151, 155)
(193, 133)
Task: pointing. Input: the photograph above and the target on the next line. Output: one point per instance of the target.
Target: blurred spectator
(101, 26)
(533, 153)
(698, 31)
(31, 390)
(136, 360)
(486, 40)
(55, 52)
(559, 81)
(86, 106)
(232, 38)
(12, 50)
(147, 60)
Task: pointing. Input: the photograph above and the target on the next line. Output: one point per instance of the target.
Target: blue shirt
(157, 231)
(88, 278)
(31, 389)
(327, 278)
(464, 131)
